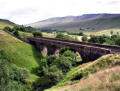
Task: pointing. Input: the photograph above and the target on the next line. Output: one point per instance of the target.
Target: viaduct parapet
(88, 51)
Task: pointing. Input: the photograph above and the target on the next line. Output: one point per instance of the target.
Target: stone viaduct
(88, 51)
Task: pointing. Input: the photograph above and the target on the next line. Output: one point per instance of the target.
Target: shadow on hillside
(37, 55)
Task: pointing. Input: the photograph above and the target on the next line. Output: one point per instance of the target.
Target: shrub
(69, 53)
(81, 34)
(84, 38)
(63, 36)
(11, 77)
(36, 34)
(64, 64)
(8, 29)
(62, 50)
(78, 57)
(16, 33)
(51, 59)
(99, 39)
(53, 74)
(60, 36)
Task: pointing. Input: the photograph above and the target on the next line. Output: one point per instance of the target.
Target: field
(104, 32)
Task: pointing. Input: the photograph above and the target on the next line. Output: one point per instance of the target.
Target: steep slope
(87, 22)
(4, 23)
(21, 54)
(105, 80)
(83, 71)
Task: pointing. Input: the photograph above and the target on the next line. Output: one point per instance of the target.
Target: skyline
(30, 11)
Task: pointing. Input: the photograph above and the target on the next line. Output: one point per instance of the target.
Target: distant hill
(4, 23)
(86, 22)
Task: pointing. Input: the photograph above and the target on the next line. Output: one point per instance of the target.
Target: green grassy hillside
(84, 23)
(21, 54)
(4, 23)
(105, 80)
(85, 70)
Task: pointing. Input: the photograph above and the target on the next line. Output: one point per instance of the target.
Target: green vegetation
(84, 38)
(8, 29)
(21, 54)
(86, 69)
(103, 80)
(74, 33)
(6, 23)
(66, 37)
(23, 68)
(12, 78)
(48, 30)
(76, 25)
(23, 29)
(36, 34)
(113, 40)
(53, 68)
(16, 33)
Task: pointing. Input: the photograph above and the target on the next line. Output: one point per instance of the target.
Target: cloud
(28, 11)
(113, 2)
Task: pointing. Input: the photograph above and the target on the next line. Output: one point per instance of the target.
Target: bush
(81, 34)
(11, 77)
(116, 39)
(99, 39)
(69, 53)
(8, 29)
(51, 59)
(53, 74)
(36, 34)
(84, 38)
(64, 64)
(63, 36)
(62, 50)
(16, 33)
(78, 57)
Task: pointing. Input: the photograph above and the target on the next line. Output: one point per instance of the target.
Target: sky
(30, 11)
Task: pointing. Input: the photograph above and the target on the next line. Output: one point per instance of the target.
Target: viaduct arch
(88, 51)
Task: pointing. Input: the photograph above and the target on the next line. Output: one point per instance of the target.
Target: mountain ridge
(74, 23)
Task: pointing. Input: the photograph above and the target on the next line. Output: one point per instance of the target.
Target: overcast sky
(29, 11)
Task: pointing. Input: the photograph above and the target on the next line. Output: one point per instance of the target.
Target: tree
(84, 38)
(37, 34)
(68, 53)
(60, 36)
(51, 59)
(99, 39)
(81, 34)
(53, 74)
(11, 76)
(111, 32)
(117, 33)
(16, 33)
(63, 36)
(116, 39)
(8, 29)
(64, 64)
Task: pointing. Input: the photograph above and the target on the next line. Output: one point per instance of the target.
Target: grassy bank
(85, 70)
(21, 54)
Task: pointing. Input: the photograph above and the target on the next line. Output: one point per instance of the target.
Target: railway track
(113, 49)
